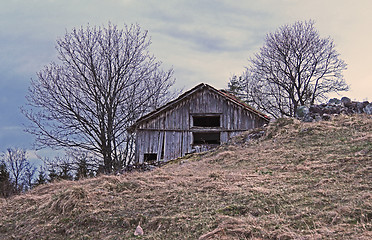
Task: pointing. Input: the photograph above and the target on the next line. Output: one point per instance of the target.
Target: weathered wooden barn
(198, 120)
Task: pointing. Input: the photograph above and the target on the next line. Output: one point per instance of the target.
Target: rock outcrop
(334, 106)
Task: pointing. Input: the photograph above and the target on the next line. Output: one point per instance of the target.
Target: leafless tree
(28, 176)
(15, 159)
(106, 78)
(294, 67)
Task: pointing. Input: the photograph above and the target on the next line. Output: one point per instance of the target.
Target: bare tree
(28, 176)
(105, 80)
(294, 67)
(15, 159)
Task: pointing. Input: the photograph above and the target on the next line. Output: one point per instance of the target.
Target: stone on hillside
(346, 101)
(138, 231)
(316, 109)
(326, 117)
(334, 107)
(317, 117)
(368, 108)
(308, 118)
(363, 105)
(302, 111)
(334, 101)
(360, 107)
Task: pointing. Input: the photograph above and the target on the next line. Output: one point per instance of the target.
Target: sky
(203, 40)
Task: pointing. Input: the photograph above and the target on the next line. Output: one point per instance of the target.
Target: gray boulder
(317, 109)
(308, 118)
(302, 111)
(334, 101)
(326, 117)
(368, 108)
(359, 107)
(346, 101)
(334, 107)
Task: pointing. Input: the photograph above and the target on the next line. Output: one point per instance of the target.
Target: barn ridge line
(200, 86)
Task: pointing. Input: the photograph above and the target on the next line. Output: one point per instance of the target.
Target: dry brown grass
(300, 181)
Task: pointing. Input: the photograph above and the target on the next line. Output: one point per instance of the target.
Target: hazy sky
(205, 41)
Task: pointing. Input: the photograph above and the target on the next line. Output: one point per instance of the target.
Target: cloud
(205, 41)
(207, 26)
(14, 136)
(32, 154)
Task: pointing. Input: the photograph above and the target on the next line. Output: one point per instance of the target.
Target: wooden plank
(175, 124)
(160, 145)
(140, 149)
(224, 137)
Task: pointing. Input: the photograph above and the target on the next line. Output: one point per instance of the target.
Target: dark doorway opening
(150, 157)
(206, 138)
(206, 121)
(163, 147)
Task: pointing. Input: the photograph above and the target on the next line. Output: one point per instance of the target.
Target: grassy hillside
(299, 181)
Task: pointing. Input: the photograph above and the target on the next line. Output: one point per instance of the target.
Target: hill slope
(301, 180)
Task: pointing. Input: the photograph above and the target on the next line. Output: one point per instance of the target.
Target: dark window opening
(206, 138)
(150, 157)
(206, 121)
(163, 147)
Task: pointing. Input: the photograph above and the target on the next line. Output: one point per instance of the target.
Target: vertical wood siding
(173, 127)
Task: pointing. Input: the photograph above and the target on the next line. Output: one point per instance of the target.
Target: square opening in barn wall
(206, 121)
(150, 157)
(206, 138)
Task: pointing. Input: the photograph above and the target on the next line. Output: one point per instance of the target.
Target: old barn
(198, 120)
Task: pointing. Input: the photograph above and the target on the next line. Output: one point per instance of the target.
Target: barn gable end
(198, 120)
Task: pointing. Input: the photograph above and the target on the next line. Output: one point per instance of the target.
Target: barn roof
(222, 93)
